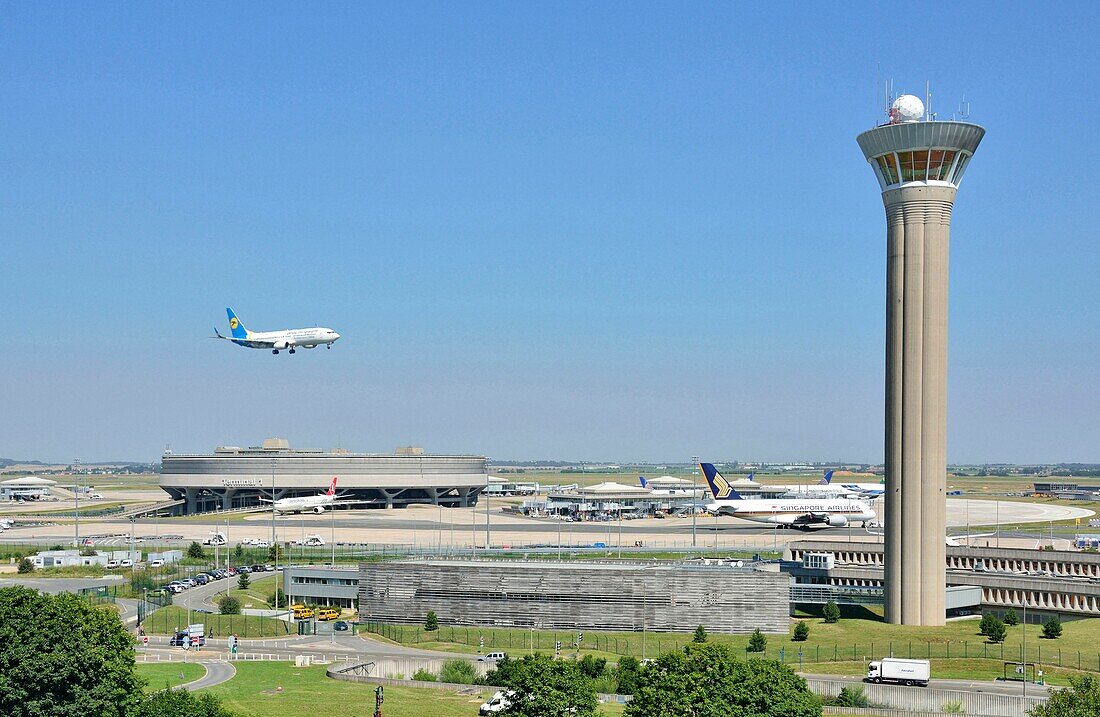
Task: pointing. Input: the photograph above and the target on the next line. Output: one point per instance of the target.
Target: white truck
(313, 541)
(899, 671)
(216, 538)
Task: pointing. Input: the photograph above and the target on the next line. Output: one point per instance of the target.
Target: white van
(497, 703)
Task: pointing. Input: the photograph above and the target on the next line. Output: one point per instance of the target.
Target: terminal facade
(233, 477)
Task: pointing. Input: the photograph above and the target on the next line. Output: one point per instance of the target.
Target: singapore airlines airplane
(311, 503)
(801, 513)
(276, 340)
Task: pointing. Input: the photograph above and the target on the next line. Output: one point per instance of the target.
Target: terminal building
(233, 477)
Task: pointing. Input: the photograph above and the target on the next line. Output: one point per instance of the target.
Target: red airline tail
(332, 487)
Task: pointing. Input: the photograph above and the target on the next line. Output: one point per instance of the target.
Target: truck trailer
(899, 671)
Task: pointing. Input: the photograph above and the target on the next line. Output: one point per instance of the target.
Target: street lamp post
(694, 497)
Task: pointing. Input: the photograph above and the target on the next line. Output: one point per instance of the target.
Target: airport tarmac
(462, 527)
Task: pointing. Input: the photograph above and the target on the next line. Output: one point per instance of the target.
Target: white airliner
(311, 503)
(822, 489)
(801, 513)
(276, 340)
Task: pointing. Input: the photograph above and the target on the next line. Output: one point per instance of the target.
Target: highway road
(999, 688)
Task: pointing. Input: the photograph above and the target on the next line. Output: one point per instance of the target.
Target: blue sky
(621, 232)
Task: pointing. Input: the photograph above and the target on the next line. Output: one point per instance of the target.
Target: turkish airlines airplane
(800, 513)
(311, 503)
(276, 340)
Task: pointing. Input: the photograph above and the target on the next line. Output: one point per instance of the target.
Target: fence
(168, 621)
(639, 645)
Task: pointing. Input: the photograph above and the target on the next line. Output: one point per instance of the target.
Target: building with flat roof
(26, 488)
(576, 595)
(233, 477)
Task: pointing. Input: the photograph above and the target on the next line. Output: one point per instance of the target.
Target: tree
(831, 613)
(710, 681)
(1052, 628)
(1080, 699)
(25, 566)
(61, 656)
(229, 605)
(238, 551)
(277, 598)
(274, 552)
(458, 672)
(700, 635)
(243, 582)
(431, 622)
(626, 674)
(1011, 619)
(996, 630)
(194, 550)
(757, 642)
(801, 631)
(545, 687)
(181, 703)
(987, 620)
(593, 666)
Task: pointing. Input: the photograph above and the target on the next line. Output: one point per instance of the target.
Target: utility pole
(76, 502)
(487, 539)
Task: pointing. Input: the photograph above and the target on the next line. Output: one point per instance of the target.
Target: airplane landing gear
(292, 351)
(328, 346)
(274, 351)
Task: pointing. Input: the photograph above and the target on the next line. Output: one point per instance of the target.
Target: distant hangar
(233, 477)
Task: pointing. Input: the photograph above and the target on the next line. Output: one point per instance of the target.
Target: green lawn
(161, 674)
(255, 692)
(850, 640)
(167, 620)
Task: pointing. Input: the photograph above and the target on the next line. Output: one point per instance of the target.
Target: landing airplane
(276, 340)
(800, 513)
(311, 503)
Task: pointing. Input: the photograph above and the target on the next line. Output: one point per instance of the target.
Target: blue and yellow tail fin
(236, 328)
(720, 488)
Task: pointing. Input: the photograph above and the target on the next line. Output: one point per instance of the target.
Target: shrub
(593, 666)
(1052, 628)
(627, 675)
(277, 598)
(852, 696)
(987, 620)
(801, 631)
(954, 707)
(25, 566)
(431, 622)
(194, 550)
(700, 635)
(831, 613)
(238, 551)
(996, 630)
(1010, 618)
(459, 672)
(423, 675)
(243, 582)
(229, 606)
(757, 642)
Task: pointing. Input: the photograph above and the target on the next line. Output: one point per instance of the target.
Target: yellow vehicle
(328, 614)
(301, 612)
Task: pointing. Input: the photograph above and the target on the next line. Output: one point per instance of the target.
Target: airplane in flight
(276, 340)
(799, 513)
(311, 503)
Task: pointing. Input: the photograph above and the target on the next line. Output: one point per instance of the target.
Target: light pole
(1023, 659)
(76, 502)
(694, 497)
(487, 540)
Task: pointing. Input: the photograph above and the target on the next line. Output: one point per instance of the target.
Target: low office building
(576, 595)
(322, 585)
(26, 488)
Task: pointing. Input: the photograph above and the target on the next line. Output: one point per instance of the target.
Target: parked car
(158, 563)
(340, 626)
(257, 568)
(112, 564)
(328, 614)
(126, 563)
(492, 657)
(202, 579)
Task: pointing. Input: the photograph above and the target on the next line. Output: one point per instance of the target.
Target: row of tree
(996, 629)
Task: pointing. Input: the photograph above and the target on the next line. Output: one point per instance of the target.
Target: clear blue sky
(556, 230)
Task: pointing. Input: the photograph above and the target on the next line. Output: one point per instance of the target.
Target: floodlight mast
(919, 163)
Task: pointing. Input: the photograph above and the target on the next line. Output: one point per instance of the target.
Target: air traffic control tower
(919, 163)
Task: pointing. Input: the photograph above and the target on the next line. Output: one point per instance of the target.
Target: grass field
(167, 620)
(161, 674)
(255, 692)
(848, 641)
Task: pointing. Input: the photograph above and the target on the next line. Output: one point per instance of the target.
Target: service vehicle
(492, 657)
(301, 612)
(193, 636)
(496, 704)
(328, 614)
(899, 671)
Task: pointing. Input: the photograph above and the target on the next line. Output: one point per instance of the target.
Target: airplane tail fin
(751, 476)
(332, 487)
(827, 478)
(236, 328)
(641, 479)
(719, 486)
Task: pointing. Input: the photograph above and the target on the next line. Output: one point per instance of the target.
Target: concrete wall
(573, 595)
(930, 699)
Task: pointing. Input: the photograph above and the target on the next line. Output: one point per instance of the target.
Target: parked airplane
(667, 485)
(311, 503)
(276, 340)
(801, 513)
(822, 489)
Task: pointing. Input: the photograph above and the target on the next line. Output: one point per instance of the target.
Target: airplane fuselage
(802, 513)
(288, 339)
(315, 503)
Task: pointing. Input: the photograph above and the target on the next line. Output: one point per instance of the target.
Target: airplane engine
(837, 521)
(281, 344)
(320, 509)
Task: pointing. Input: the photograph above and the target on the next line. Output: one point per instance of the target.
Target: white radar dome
(909, 108)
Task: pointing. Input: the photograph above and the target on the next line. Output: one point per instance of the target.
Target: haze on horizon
(601, 233)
